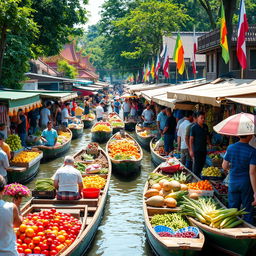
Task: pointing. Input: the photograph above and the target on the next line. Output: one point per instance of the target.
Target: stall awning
(164, 101)
(148, 94)
(85, 91)
(60, 96)
(249, 100)
(213, 93)
(144, 87)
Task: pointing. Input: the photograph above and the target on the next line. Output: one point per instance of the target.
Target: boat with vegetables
(76, 221)
(116, 122)
(101, 132)
(125, 154)
(168, 231)
(88, 120)
(77, 129)
(145, 134)
(157, 152)
(24, 166)
(61, 147)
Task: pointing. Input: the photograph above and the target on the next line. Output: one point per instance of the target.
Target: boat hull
(129, 126)
(88, 123)
(155, 158)
(117, 129)
(144, 142)
(77, 133)
(126, 168)
(101, 137)
(24, 177)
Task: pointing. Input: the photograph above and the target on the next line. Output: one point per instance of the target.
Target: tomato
(53, 252)
(27, 240)
(44, 247)
(22, 236)
(23, 228)
(59, 247)
(45, 252)
(41, 234)
(19, 241)
(20, 250)
(53, 247)
(36, 239)
(37, 250)
(31, 246)
(30, 232)
(49, 241)
(27, 251)
(55, 228)
(35, 228)
(68, 242)
(24, 246)
(40, 228)
(61, 238)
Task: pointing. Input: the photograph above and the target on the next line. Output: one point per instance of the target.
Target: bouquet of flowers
(16, 190)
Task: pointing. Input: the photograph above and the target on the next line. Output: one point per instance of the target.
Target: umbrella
(237, 125)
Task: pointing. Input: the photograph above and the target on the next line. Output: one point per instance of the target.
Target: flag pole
(176, 74)
(242, 73)
(186, 70)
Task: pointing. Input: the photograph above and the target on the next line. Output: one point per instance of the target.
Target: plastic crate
(44, 194)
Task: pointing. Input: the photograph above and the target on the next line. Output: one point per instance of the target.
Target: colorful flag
(138, 76)
(242, 29)
(152, 71)
(223, 36)
(166, 63)
(194, 53)
(178, 55)
(163, 51)
(143, 73)
(158, 66)
(148, 72)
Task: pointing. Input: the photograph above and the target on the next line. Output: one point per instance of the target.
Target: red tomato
(37, 250)
(19, 241)
(24, 246)
(44, 247)
(45, 252)
(31, 246)
(53, 247)
(49, 241)
(22, 236)
(27, 240)
(20, 250)
(36, 239)
(53, 252)
(27, 251)
(40, 228)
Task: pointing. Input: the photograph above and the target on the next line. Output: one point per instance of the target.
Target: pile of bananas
(25, 157)
(211, 171)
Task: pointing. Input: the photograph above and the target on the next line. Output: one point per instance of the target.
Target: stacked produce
(63, 137)
(211, 171)
(88, 117)
(47, 232)
(14, 142)
(102, 127)
(200, 185)
(145, 133)
(25, 157)
(75, 126)
(123, 149)
(115, 120)
(207, 211)
(94, 182)
(221, 188)
(44, 185)
(64, 134)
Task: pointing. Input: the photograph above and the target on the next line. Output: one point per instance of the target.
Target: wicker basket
(92, 148)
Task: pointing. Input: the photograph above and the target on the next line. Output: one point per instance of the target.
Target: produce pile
(102, 127)
(211, 171)
(16, 190)
(207, 211)
(63, 137)
(25, 157)
(94, 182)
(14, 142)
(75, 126)
(90, 168)
(123, 149)
(88, 117)
(44, 185)
(221, 188)
(145, 133)
(47, 232)
(200, 185)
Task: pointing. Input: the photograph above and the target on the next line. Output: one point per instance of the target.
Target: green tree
(67, 70)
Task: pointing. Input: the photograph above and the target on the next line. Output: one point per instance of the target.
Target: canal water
(121, 232)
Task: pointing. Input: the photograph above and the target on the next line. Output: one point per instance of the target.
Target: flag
(242, 29)
(147, 72)
(138, 76)
(223, 36)
(163, 51)
(166, 64)
(178, 55)
(152, 72)
(143, 73)
(194, 53)
(158, 65)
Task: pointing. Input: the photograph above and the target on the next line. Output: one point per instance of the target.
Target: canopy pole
(242, 73)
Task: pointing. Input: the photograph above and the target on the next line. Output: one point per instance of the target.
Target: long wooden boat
(155, 157)
(143, 140)
(114, 117)
(164, 246)
(100, 136)
(77, 131)
(24, 174)
(57, 150)
(88, 122)
(88, 211)
(127, 167)
(129, 126)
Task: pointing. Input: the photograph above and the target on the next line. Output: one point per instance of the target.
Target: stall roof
(164, 101)
(148, 94)
(213, 93)
(144, 87)
(249, 100)
(62, 96)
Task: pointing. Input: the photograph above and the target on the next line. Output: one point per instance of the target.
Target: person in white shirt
(147, 116)
(68, 181)
(182, 145)
(100, 111)
(126, 109)
(65, 115)
(45, 115)
(4, 162)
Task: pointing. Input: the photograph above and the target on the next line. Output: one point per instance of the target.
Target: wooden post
(186, 71)
(176, 74)
(242, 73)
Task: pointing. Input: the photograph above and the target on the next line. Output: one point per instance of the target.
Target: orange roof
(69, 53)
(87, 74)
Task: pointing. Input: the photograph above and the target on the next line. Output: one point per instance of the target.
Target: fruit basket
(92, 148)
(33, 157)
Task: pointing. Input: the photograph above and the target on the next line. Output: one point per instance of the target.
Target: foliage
(67, 70)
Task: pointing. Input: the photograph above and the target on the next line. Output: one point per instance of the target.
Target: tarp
(61, 96)
(144, 87)
(213, 93)
(148, 94)
(164, 101)
(249, 100)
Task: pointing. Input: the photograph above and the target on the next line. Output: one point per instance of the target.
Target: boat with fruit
(156, 154)
(144, 135)
(116, 122)
(77, 130)
(82, 217)
(88, 120)
(101, 132)
(24, 166)
(125, 154)
(61, 147)
(168, 232)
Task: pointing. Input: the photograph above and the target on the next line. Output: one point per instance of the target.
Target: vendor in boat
(79, 111)
(68, 181)
(126, 109)
(161, 120)
(49, 135)
(5, 147)
(9, 218)
(65, 115)
(86, 106)
(100, 111)
(169, 132)
(240, 160)
(147, 116)
(117, 105)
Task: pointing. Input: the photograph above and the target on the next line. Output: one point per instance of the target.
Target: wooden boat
(57, 150)
(129, 126)
(155, 157)
(143, 140)
(24, 173)
(88, 122)
(77, 131)
(100, 136)
(125, 167)
(166, 245)
(114, 117)
(89, 211)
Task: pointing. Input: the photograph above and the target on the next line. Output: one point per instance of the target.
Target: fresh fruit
(211, 171)
(25, 157)
(200, 185)
(94, 182)
(101, 127)
(14, 142)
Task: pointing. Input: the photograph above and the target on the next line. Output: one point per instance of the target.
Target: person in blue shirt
(240, 160)
(117, 105)
(161, 120)
(49, 135)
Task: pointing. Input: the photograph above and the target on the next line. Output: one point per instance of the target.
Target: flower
(16, 189)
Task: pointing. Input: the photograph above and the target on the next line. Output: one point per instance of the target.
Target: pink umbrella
(237, 125)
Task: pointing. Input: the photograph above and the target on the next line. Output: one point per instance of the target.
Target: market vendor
(5, 147)
(161, 120)
(100, 111)
(65, 115)
(4, 130)
(147, 116)
(49, 135)
(240, 160)
(68, 181)
(79, 111)
(22, 126)
(86, 106)
(117, 104)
